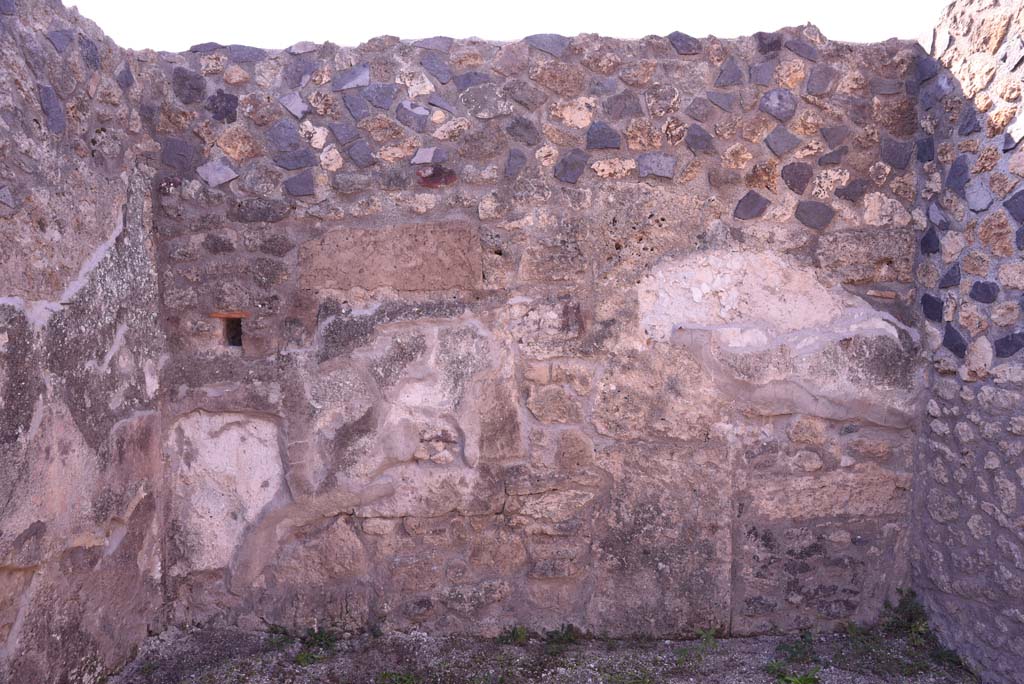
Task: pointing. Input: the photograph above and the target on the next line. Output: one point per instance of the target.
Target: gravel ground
(228, 656)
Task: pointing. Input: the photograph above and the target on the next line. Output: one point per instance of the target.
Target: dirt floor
(901, 649)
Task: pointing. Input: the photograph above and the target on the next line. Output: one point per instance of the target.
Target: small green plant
(557, 640)
(395, 678)
(708, 639)
(707, 643)
(810, 677)
(305, 657)
(516, 635)
(566, 634)
(800, 650)
(279, 637)
(319, 638)
(777, 669)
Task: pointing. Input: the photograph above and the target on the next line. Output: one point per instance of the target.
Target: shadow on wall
(968, 557)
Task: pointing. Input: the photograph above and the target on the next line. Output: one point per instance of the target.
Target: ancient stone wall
(81, 530)
(567, 330)
(454, 335)
(968, 557)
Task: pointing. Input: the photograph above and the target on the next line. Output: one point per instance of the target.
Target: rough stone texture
(967, 540)
(467, 335)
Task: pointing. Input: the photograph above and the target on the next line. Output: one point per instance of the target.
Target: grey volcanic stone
(926, 149)
(357, 76)
(1015, 206)
(216, 172)
(361, 154)
(284, 135)
(656, 164)
(699, 140)
(885, 86)
(53, 109)
(223, 106)
(296, 159)
(297, 72)
(303, 47)
(835, 135)
(931, 306)
(750, 206)
(356, 105)
(819, 80)
(60, 39)
(1009, 345)
(959, 174)
(926, 67)
(768, 43)
(699, 109)
(295, 105)
(797, 175)
(515, 162)
(803, 49)
(178, 154)
(984, 291)
(624, 105)
(529, 96)
(954, 341)
(684, 44)
(937, 217)
(551, 43)
(778, 102)
(436, 100)
(761, 74)
(969, 123)
(930, 243)
(853, 191)
(977, 194)
(524, 130)
(258, 210)
(203, 48)
(814, 214)
(730, 74)
(833, 158)
(722, 100)
(430, 155)
(90, 53)
(571, 166)
(125, 78)
(439, 43)
(896, 153)
(436, 66)
(486, 101)
(8, 7)
(781, 141)
(243, 54)
(188, 86)
(381, 95)
(300, 185)
(601, 136)
(951, 278)
(470, 79)
(413, 115)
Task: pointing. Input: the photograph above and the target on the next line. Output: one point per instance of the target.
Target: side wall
(969, 508)
(80, 473)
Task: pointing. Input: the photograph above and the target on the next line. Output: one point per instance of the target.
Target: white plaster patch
(751, 301)
(229, 468)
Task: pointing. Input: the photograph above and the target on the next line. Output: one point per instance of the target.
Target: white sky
(174, 25)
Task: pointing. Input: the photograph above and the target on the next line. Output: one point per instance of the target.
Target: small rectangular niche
(232, 325)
